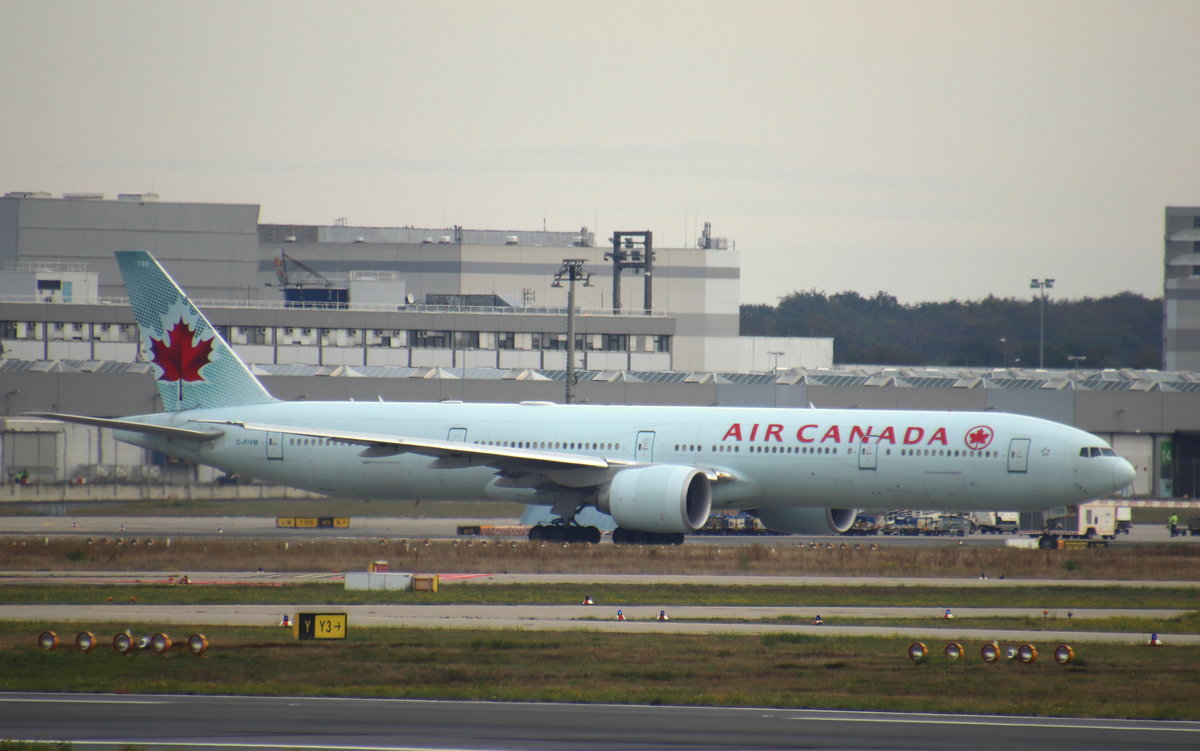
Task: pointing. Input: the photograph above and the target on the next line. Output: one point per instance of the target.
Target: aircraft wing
(500, 457)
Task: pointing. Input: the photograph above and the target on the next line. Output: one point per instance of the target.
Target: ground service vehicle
(863, 525)
(727, 523)
(995, 522)
(1084, 521)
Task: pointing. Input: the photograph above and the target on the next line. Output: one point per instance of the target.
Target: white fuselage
(765, 457)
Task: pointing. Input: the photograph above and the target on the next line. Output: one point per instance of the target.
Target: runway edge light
(47, 641)
(917, 651)
(122, 643)
(990, 652)
(85, 641)
(1063, 654)
(197, 644)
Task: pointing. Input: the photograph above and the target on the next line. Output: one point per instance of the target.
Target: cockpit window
(1108, 452)
(1088, 452)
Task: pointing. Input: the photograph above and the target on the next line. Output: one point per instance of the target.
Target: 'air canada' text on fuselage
(812, 433)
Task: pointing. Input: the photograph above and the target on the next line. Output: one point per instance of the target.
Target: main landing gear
(621, 536)
(562, 532)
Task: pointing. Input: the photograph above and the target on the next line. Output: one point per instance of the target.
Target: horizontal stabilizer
(185, 434)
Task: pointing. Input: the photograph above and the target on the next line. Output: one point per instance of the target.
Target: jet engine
(661, 498)
(807, 521)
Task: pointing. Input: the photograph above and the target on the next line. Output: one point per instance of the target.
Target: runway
(224, 722)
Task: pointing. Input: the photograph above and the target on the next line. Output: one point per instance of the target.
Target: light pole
(1004, 351)
(571, 270)
(1075, 361)
(1042, 285)
(775, 363)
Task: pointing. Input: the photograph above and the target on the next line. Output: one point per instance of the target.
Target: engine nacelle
(807, 521)
(661, 498)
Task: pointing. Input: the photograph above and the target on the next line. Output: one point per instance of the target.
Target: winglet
(195, 367)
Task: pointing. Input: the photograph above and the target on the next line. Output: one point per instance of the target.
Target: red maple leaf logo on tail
(179, 359)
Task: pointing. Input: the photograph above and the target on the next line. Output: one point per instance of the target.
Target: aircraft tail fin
(195, 367)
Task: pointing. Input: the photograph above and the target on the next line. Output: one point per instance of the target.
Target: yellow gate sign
(321, 626)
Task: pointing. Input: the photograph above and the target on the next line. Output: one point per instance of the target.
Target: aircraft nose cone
(1123, 474)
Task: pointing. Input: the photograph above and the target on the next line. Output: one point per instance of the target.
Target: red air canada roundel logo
(979, 438)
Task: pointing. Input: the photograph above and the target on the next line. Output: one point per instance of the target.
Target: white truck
(1085, 521)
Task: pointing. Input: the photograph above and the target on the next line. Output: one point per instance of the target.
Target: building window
(662, 343)
(615, 342)
(430, 339)
(550, 341)
(506, 340)
(466, 339)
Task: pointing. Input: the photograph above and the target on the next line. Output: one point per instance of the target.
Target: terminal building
(379, 296)
(419, 314)
(1181, 290)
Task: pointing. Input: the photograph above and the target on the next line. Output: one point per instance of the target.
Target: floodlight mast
(1042, 285)
(633, 250)
(572, 271)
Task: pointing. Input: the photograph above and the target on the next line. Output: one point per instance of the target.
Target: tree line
(1120, 331)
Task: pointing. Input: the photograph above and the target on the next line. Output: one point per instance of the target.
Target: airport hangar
(419, 314)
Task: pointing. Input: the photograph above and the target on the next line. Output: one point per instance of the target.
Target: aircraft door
(868, 455)
(457, 434)
(275, 445)
(644, 448)
(1018, 455)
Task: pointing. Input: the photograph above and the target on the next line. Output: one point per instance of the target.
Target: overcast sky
(933, 150)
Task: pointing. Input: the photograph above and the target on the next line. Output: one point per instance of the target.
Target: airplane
(657, 471)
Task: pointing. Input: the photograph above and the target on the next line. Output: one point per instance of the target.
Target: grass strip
(1058, 600)
(780, 557)
(782, 670)
(1189, 623)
